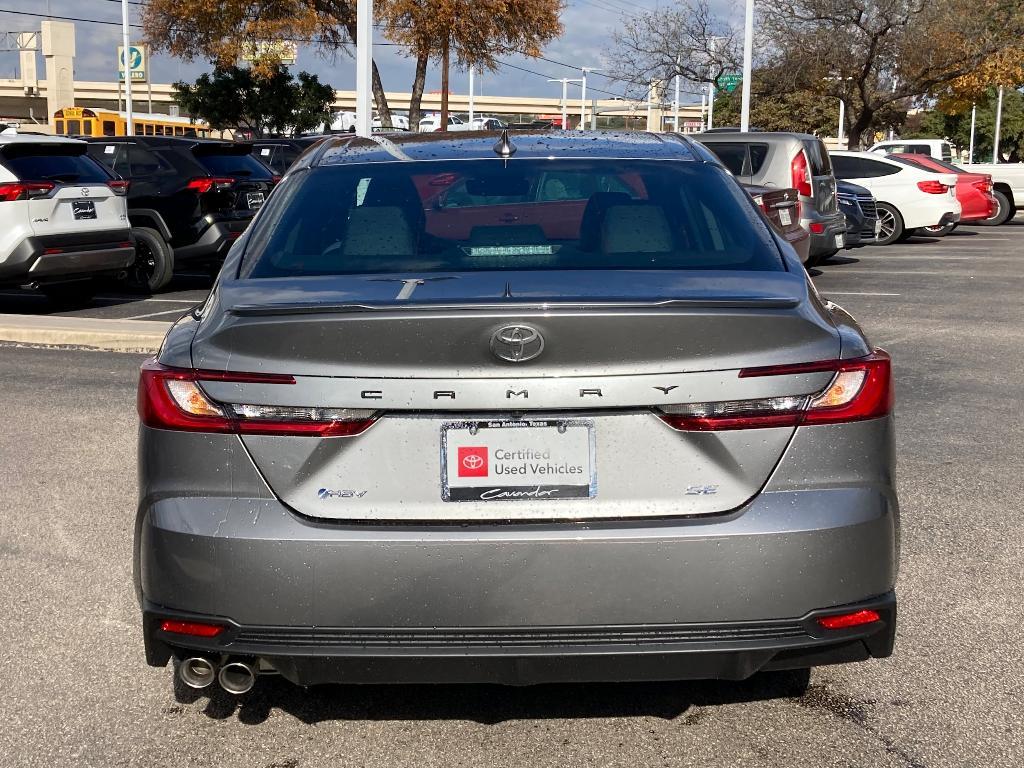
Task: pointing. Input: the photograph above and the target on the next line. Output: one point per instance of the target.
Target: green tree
(237, 98)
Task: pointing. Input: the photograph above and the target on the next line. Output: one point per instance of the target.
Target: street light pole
(711, 106)
(583, 96)
(970, 150)
(675, 107)
(130, 123)
(565, 103)
(748, 56)
(364, 66)
(999, 122)
(842, 120)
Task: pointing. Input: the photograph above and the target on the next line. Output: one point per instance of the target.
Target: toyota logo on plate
(472, 461)
(517, 343)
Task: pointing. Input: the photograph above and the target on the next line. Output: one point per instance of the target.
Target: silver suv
(796, 160)
(558, 407)
(62, 217)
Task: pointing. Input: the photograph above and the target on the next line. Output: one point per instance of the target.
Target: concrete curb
(89, 332)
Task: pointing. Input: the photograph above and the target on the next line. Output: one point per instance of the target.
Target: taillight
(932, 187)
(275, 179)
(24, 190)
(119, 186)
(984, 185)
(860, 389)
(801, 174)
(173, 398)
(204, 184)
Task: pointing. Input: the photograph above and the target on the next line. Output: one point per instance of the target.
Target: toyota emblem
(84, 191)
(517, 343)
(472, 461)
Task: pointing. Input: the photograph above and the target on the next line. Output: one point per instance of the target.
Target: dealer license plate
(839, 241)
(83, 209)
(254, 199)
(784, 217)
(518, 460)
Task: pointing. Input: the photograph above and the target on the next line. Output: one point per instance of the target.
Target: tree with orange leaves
(476, 32)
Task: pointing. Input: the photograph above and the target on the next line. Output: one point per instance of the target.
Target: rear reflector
(172, 398)
(193, 628)
(861, 388)
(846, 620)
(817, 227)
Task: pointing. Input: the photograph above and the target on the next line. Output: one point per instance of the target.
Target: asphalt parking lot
(77, 691)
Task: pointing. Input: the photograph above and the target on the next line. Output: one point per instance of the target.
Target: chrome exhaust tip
(237, 677)
(197, 672)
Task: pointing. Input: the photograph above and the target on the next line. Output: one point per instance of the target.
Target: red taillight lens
(23, 190)
(932, 187)
(817, 227)
(119, 186)
(985, 185)
(193, 628)
(275, 179)
(801, 174)
(860, 389)
(204, 184)
(172, 398)
(846, 620)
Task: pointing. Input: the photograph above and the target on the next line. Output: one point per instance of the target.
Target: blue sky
(588, 26)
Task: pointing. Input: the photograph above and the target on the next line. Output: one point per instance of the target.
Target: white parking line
(134, 300)
(828, 293)
(154, 314)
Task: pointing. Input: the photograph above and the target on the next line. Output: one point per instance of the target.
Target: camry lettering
(593, 392)
(444, 393)
(371, 394)
(509, 394)
(666, 390)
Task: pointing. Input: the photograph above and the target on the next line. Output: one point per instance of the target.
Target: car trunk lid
(429, 367)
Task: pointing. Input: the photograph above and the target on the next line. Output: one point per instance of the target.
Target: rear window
(232, 164)
(817, 156)
(731, 155)
(423, 217)
(67, 163)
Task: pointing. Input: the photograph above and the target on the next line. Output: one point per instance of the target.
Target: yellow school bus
(83, 121)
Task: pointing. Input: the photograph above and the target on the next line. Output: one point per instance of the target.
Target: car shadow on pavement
(490, 704)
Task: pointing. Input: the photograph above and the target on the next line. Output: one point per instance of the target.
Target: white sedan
(907, 197)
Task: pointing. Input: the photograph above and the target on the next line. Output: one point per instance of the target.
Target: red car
(973, 190)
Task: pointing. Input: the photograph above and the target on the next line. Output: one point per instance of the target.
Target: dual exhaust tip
(236, 677)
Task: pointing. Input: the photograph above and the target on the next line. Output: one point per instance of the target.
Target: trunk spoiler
(318, 308)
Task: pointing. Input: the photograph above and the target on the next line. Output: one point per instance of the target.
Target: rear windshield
(68, 164)
(817, 155)
(237, 166)
(529, 214)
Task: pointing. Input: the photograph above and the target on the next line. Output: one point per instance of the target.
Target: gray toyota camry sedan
(514, 408)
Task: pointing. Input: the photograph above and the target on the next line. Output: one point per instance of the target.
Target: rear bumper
(52, 258)
(514, 656)
(670, 599)
(830, 226)
(215, 239)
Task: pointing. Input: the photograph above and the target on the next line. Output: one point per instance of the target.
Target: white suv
(63, 217)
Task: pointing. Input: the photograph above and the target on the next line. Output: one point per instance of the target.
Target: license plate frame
(481, 434)
(83, 209)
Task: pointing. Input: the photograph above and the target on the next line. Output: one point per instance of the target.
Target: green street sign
(729, 81)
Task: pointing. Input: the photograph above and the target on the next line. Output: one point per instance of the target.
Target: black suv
(188, 201)
(280, 153)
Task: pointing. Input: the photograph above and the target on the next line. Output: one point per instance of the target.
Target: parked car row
(847, 199)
